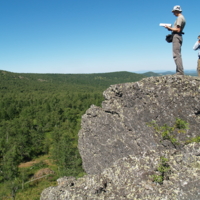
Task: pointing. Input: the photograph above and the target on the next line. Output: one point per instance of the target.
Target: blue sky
(93, 36)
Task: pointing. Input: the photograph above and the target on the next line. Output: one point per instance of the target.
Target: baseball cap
(177, 8)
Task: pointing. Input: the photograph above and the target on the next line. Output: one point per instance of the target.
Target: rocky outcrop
(131, 178)
(123, 156)
(119, 128)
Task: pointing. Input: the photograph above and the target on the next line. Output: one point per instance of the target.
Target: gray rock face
(130, 178)
(121, 154)
(119, 128)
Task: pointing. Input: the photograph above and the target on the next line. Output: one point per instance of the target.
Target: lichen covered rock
(131, 178)
(119, 128)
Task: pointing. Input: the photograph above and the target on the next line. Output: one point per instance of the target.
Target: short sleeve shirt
(180, 21)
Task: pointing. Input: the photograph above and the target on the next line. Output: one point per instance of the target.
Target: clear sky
(93, 36)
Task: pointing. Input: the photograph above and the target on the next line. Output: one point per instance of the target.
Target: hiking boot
(179, 73)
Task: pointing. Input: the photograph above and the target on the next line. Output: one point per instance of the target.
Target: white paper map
(162, 24)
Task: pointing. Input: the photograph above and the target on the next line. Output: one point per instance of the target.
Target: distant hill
(191, 73)
(149, 74)
(168, 73)
(187, 72)
(10, 80)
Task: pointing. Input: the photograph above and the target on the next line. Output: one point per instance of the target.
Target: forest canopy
(40, 114)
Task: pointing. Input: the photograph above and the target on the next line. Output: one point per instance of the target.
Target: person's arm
(177, 29)
(196, 45)
(178, 23)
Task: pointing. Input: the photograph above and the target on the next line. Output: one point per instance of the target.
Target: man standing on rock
(197, 46)
(177, 38)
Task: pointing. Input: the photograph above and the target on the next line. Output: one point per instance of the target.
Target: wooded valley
(40, 116)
